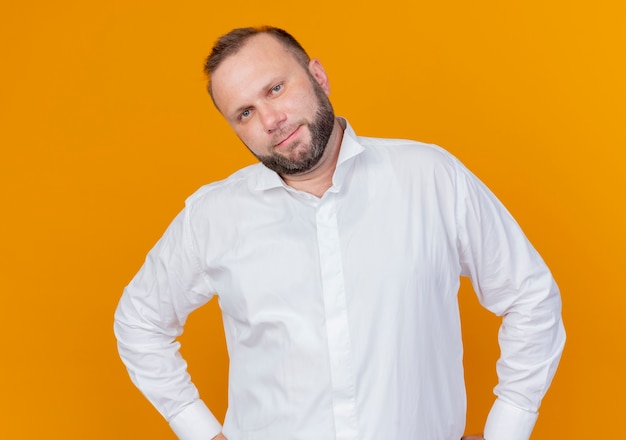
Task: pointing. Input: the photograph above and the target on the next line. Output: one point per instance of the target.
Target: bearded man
(336, 261)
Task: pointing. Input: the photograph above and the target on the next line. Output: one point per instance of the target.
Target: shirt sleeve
(512, 281)
(150, 316)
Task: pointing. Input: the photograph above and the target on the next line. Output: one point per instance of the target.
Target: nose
(271, 117)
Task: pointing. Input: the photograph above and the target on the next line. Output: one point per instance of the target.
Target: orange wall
(105, 128)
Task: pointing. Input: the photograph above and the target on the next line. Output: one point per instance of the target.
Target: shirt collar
(350, 147)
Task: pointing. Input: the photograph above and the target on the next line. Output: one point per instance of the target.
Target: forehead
(260, 61)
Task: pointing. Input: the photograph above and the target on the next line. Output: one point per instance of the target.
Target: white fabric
(341, 313)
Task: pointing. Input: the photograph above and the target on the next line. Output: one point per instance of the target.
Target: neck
(318, 179)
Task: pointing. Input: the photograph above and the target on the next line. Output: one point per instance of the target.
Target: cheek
(301, 101)
(304, 103)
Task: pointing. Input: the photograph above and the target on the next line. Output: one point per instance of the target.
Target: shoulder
(236, 185)
(409, 153)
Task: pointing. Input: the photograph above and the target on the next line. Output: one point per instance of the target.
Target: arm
(149, 318)
(512, 281)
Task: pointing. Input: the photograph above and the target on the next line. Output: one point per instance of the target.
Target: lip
(289, 138)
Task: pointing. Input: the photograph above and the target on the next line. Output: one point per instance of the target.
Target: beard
(320, 129)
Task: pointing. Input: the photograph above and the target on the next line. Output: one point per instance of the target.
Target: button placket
(337, 325)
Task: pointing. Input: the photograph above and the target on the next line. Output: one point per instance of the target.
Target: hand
(219, 436)
(473, 437)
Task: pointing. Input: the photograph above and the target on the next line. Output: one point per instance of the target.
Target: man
(337, 264)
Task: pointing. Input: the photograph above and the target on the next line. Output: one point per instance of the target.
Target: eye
(244, 114)
(277, 88)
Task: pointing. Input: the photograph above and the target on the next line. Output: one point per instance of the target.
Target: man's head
(273, 96)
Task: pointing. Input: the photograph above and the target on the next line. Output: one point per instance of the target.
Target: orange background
(105, 128)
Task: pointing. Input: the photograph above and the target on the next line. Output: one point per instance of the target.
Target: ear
(317, 71)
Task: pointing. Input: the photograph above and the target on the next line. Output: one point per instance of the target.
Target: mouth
(289, 138)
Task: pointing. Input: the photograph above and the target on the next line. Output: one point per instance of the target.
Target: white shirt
(341, 312)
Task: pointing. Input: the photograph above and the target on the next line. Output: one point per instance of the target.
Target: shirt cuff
(195, 422)
(508, 422)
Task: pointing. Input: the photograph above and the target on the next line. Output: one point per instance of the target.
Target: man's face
(279, 109)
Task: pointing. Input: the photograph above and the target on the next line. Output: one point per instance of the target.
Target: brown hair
(230, 43)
